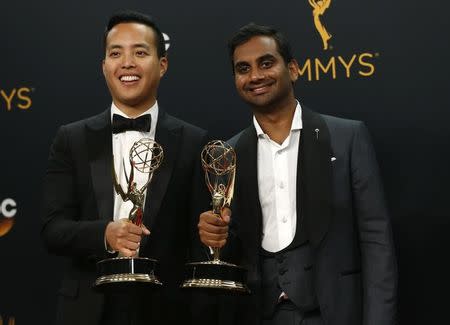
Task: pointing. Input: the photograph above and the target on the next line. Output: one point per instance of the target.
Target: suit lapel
(168, 136)
(248, 194)
(314, 176)
(99, 143)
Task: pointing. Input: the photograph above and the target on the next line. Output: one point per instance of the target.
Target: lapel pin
(317, 133)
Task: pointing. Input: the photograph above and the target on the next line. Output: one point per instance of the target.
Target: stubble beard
(271, 104)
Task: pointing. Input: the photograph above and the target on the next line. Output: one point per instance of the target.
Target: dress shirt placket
(282, 194)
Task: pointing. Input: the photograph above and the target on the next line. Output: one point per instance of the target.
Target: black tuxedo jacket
(78, 204)
(341, 205)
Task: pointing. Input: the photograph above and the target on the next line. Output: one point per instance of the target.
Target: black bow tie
(122, 124)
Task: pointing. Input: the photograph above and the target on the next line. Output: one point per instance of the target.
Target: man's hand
(213, 230)
(125, 237)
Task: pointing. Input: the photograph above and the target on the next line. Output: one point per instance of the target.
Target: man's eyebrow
(266, 57)
(137, 45)
(144, 45)
(114, 46)
(240, 63)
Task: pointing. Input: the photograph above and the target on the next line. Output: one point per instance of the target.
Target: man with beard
(309, 218)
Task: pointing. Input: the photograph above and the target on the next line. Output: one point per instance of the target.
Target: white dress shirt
(277, 185)
(121, 145)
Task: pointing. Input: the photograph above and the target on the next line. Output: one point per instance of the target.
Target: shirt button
(284, 220)
(281, 185)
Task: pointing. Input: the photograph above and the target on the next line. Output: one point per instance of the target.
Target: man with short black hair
(86, 221)
(309, 218)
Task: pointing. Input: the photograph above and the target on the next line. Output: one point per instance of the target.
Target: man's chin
(137, 102)
(260, 104)
(131, 100)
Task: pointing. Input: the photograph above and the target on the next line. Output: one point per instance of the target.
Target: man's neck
(134, 111)
(277, 123)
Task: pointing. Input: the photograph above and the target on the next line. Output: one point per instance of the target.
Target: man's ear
(163, 65)
(103, 67)
(293, 70)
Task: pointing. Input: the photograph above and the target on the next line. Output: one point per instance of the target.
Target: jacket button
(282, 271)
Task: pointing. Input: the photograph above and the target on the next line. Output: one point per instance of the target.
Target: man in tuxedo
(85, 220)
(309, 218)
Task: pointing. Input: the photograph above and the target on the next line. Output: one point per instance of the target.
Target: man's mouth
(129, 78)
(260, 89)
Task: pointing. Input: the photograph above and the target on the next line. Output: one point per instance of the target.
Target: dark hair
(129, 16)
(250, 30)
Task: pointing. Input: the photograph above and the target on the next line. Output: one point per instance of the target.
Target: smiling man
(85, 221)
(309, 219)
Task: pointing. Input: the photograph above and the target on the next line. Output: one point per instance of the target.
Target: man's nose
(256, 74)
(128, 61)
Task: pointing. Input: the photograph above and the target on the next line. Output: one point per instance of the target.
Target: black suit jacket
(340, 203)
(78, 204)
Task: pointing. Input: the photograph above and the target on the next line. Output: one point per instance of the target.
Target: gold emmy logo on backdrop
(8, 209)
(335, 66)
(16, 98)
(319, 8)
(11, 321)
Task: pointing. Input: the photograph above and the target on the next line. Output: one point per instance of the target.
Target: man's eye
(267, 64)
(141, 53)
(114, 54)
(242, 69)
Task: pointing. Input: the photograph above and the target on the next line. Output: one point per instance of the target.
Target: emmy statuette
(219, 164)
(128, 273)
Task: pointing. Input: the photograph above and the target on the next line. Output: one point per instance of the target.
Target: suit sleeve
(379, 268)
(62, 230)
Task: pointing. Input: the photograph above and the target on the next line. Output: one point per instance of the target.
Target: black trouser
(286, 313)
(126, 309)
(136, 309)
